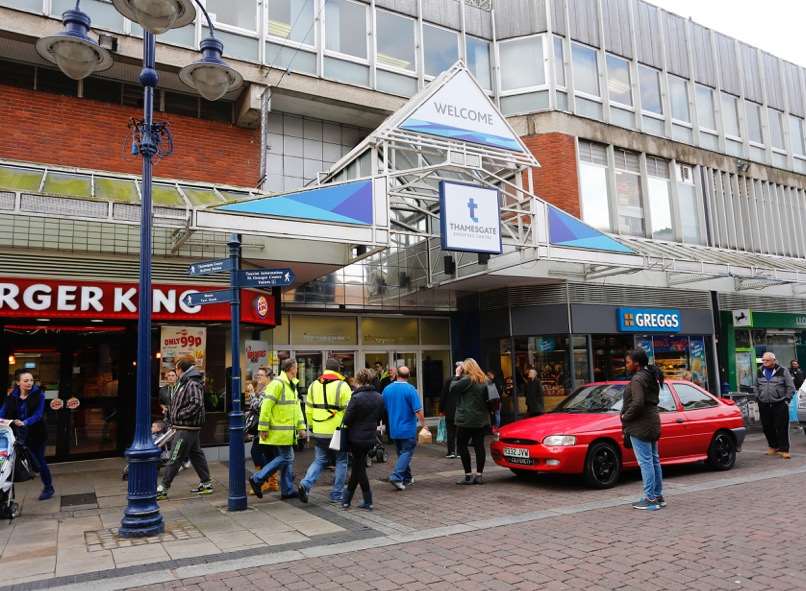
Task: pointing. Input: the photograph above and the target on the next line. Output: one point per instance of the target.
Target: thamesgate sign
(469, 218)
(65, 298)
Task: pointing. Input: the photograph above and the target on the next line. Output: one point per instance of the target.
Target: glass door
(408, 359)
(347, 361)
(310, 368)
(44, 365)
(378, 361)
(94, 421)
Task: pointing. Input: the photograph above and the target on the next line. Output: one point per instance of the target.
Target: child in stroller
(378, 453)
(8, 507)
(162, 436)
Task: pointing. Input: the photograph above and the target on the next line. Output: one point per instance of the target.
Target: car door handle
(678, 421)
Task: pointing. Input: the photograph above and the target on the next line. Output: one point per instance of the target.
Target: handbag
(339, 440)
(442, 431)
(25, 464)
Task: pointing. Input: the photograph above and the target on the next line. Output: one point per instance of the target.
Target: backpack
(253, 414)
(25, 464)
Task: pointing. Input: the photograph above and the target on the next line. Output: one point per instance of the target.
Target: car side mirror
(729, 401)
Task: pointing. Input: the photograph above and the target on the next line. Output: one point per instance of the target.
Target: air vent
(7, 200)
(61, 206)
(615, 295)
(737, 301)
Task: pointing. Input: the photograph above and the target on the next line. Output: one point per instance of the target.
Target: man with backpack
(327, 400)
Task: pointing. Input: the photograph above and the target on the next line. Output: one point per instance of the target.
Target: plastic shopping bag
(442, 431)
(793, 408)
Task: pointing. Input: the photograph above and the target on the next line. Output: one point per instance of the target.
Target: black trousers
(775, 422)
(450, 428)
(465, 436)
(358, 472)
(186, 445)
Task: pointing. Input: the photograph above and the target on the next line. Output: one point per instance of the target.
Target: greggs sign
(63, 298)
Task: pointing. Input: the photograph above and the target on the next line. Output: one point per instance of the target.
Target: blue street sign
(266, 278)
(210, 267)
(221, 296)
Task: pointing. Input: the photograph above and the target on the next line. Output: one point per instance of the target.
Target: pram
(162, 441)
(8, 457)
(377, 452)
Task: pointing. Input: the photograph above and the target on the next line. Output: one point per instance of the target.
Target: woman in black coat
(361, 420)
(25, 408)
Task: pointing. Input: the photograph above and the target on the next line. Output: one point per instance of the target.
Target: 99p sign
(181, 341)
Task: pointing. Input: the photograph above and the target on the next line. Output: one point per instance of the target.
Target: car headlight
(496, 436)
(555, 440)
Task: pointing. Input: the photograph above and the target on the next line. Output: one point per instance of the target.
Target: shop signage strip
(661, 320)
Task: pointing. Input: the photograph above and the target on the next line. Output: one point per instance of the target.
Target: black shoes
(303, 494)
(468, 479)
(256, 488)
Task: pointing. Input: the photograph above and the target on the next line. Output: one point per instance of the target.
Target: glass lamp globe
(75, 59)
(157, 16)
(72, 50)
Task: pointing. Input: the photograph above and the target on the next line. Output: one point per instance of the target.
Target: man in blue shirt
(405, 412)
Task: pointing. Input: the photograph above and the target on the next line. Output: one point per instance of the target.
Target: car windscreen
(595, 398)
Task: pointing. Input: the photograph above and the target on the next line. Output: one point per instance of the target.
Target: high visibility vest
(325, 414)
(280, 413)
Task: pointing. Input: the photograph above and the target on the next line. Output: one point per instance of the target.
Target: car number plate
(523, 461)
(516, 452)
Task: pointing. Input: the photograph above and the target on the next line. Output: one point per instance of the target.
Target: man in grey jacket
(774, 388)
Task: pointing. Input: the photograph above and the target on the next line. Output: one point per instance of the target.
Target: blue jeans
(284, 460)
(38, 451)
(405, 450)
(646, 452)
(321, 460)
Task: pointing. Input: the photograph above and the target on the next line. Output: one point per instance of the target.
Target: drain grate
(79, 500)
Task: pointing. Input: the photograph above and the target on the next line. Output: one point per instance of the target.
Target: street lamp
(78, 57)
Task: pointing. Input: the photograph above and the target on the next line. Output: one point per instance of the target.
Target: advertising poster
(257, 356)
(178, 341)
(699, 375)
(745, 370)
(645, 343)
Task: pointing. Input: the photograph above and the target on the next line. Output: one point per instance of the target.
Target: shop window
(705, 107)
(754, 132)
(559, 62)
(619, 88)
(593, 185)
(628, 194)
(688, 205)
(609, 352)
(389, 331)
(660, 205)
(550, 356)
(693, 399)
(478, 60)
(292, 20)
(395, 39)
(435, 331)
(437, 368)
(678, 91)
(730, 114)
(796, 135)
(586, 71)
(440, 49)
(323, 330)
(522, 64)
(346, 28)
(776, 129)
(236, 13)
(649, 81)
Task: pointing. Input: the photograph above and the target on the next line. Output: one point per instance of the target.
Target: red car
(583, 434)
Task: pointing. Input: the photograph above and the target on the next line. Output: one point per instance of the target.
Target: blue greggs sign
(649, 320)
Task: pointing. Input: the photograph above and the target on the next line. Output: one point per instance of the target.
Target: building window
(395, 38)
(796, 135)
(678, 90)
(705, 108)
(478, 61)
(776, 129)
(754, 122)
(660, 199)
(440, 48)
(687, 205)
(559, 62)
(522, 64)
(292, 20)
(730, 115)
(346, 28)
(628, 193)
(586, 71)
(236, 13)
(619, 88)
(649, 81)
(593, 185)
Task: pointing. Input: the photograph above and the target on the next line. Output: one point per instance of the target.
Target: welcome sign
(460, 110)
(469, 218)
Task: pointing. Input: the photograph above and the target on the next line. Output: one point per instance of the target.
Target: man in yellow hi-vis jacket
(325, 405)
(280, 423)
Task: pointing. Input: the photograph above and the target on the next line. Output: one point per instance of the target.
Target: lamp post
(78, 56)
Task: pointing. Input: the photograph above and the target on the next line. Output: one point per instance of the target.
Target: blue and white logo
(649, 320)
(470, 218)
(471, 208)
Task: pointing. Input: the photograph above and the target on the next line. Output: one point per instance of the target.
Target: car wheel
(602, 465)
(722, 452)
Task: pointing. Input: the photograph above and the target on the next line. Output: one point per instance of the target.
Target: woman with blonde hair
(472, 417)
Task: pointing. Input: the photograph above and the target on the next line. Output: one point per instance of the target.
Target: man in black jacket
(534, 394)
(187, 417)
(797, 373)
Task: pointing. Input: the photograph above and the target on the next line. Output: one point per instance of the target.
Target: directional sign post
(210, 267)
(201, 298)
(266, 278)
(259, 278)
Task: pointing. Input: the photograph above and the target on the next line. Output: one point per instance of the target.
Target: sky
(776, 26)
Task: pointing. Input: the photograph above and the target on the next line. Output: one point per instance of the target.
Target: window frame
(490, 59)
(457, 35)
(781, 114)
(523, 89)
(290, 42)
(642, 198)
(722, 97)
(234, 28)
(686, 85)
(415, 45)
(713, 110)
(608, 175)
(368, 22)
(758, 107)
(577, 91)
(559, 62)
(619, 104)
(669, 198)
(658, 73)
(800, 155)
